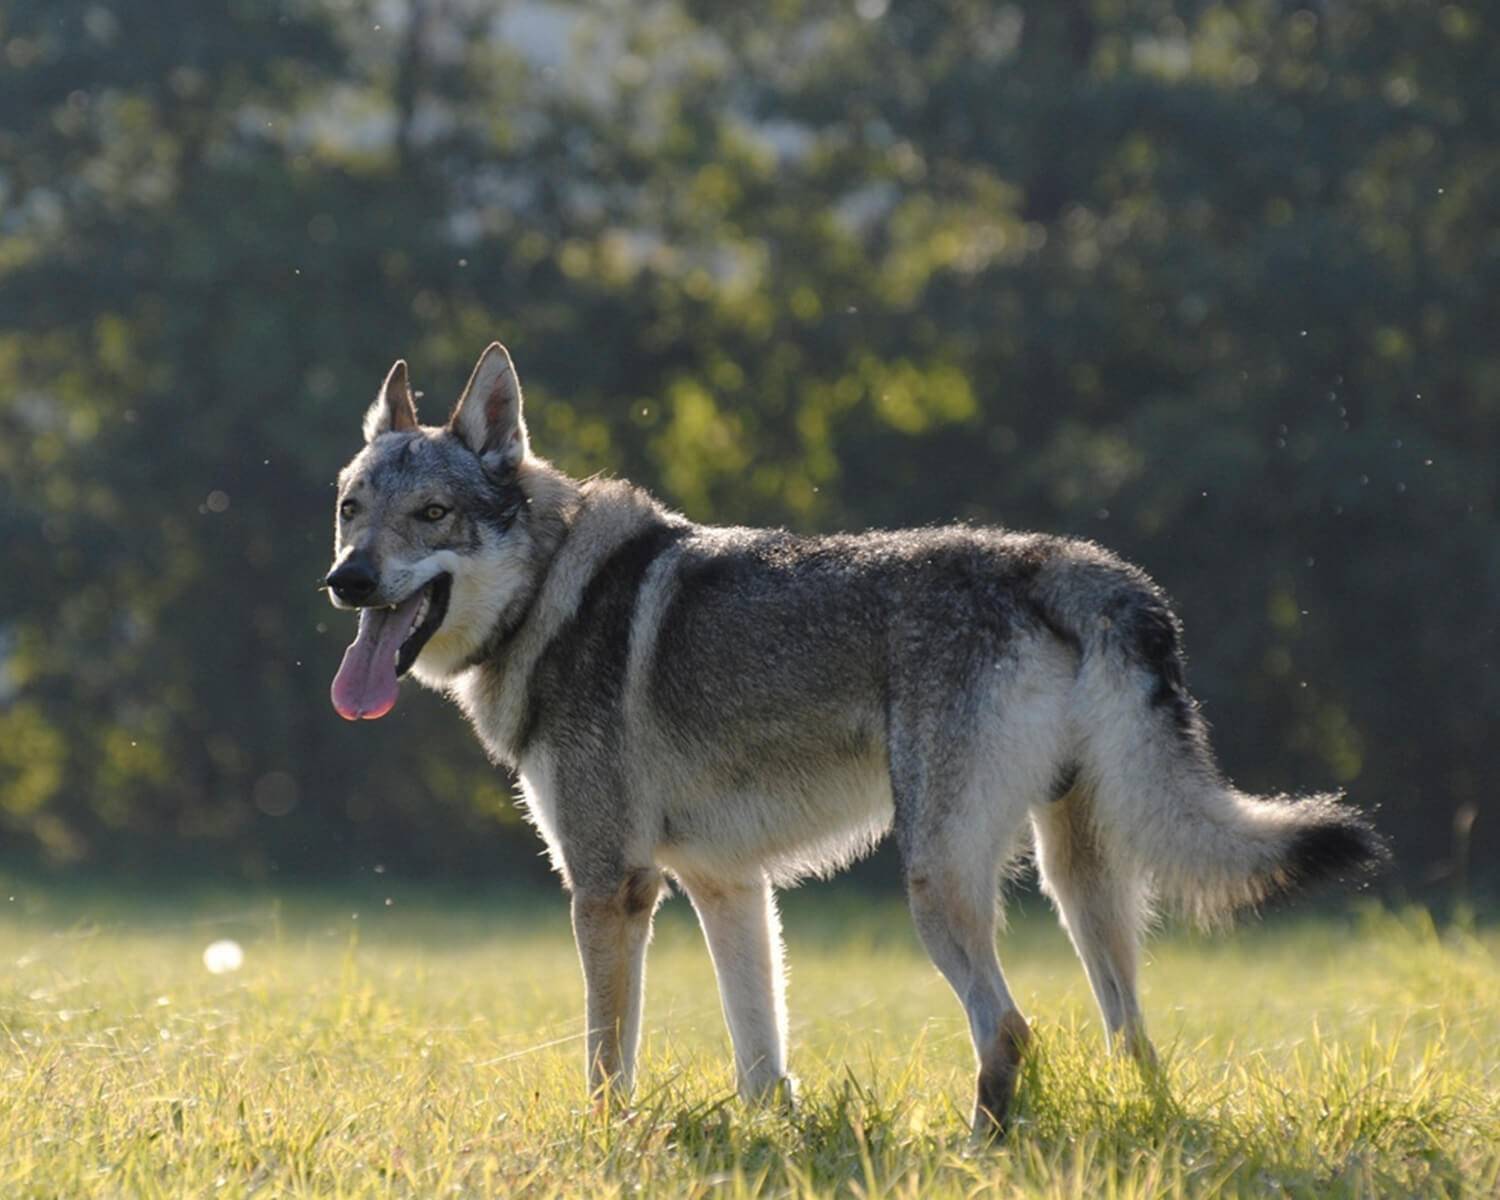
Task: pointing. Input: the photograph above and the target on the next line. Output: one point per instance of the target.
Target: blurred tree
(207, 254)
(1211, 283)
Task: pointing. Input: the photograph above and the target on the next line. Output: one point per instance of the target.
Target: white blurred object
(223, 956)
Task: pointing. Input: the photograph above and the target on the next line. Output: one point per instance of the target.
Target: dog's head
(430, 543)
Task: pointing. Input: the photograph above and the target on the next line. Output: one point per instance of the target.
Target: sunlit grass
(431, 1047)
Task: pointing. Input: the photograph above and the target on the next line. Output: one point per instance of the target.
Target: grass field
(429, 1047)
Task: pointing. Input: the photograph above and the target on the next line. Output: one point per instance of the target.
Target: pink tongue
(366, 683)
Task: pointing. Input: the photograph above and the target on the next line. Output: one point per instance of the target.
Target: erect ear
(488, 417)
(394, 411)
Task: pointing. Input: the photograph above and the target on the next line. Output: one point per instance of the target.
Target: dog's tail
(1155, 792)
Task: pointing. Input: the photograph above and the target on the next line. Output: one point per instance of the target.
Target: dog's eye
(347, 509)
(434, 512)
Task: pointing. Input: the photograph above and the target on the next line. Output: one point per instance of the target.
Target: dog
(737, 709)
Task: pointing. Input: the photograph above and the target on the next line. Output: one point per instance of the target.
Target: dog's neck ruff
(493, 649)
(496, 691)
(546, 548)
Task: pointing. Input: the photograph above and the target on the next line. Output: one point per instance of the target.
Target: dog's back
(761, 664)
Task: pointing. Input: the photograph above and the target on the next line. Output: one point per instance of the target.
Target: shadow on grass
(1086, 1120)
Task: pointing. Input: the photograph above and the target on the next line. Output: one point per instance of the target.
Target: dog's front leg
(743, 932)
(612, 928)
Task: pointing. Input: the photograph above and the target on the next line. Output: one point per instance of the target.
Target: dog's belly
(788, 823)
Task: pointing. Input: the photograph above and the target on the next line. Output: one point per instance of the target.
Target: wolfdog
(739, 708)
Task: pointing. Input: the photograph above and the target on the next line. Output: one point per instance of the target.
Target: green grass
(430, 1047)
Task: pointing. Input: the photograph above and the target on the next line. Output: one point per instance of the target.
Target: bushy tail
(1157, 796)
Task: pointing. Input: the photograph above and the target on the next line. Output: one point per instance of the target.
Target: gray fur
(741, 708)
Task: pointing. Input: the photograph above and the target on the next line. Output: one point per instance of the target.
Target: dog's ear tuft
(394, 410)
(488, 418)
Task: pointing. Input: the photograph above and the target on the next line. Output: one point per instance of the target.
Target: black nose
(353, 581)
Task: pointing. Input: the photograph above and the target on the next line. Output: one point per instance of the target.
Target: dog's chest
(538, 779)
(494, 709)
(496, 715)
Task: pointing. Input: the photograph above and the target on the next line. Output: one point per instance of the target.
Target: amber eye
(434, 512)
(347, 509)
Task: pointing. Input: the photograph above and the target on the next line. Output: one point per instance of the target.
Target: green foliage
(425, 1047)
(1211, 283)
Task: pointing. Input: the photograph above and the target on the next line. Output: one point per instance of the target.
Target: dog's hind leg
(952, 853)
(1102, 903)
(743, 931)
(970, 753)
(612, 927)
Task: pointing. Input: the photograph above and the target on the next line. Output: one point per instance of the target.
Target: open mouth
(385, 648)
(432, 607)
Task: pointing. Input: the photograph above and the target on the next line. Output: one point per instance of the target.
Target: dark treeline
(1212, 283)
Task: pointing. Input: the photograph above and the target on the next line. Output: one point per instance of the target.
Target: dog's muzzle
(354, 580)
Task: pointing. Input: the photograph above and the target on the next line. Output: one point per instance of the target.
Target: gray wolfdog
(740, 708)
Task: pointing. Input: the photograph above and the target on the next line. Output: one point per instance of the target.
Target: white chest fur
(538, 778)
